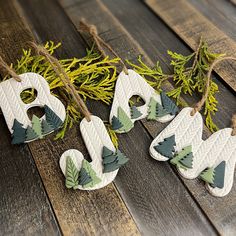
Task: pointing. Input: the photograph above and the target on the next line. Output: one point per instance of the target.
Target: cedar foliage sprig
(93, 77)
(190, 74)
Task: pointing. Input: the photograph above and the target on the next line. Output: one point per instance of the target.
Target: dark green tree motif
(135, 113)
(219, 175)
(52, 118)
(214, 176)
(187, 161)
(84, 177)
(115, 123)
(167, 147)
(88, 177)
(46, 128)
(19, 133)
(168, 104)
(112, 160)
(160, 111)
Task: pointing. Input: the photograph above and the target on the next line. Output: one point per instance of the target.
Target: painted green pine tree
(219, 175)
(214, 176)
(126, 122)
(91, 173)
(135, 113)
(71, 174)
(19, 133)
(112, 160)
(84, 177)
(168, 104)
(152, 109)
(52, 118)
(36, 126)
(30, 134)
(167, 147)
(208, 175)
(187, 161)
(160, 111)
(115, 123)
(46, 128)
(184, 158)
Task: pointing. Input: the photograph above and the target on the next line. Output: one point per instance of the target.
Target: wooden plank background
(147, 197)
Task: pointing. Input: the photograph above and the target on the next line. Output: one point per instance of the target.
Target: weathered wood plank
(24, 205)
(151, 203)
(154, 38)
(190, 25)
(221, 13)
(100, 212)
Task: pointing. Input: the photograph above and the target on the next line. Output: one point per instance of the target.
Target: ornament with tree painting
(213, 160)
(106, 159)
(15, 110)
(157, 106)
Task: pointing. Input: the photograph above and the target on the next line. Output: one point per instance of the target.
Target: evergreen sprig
(94, 77)
(189, 76)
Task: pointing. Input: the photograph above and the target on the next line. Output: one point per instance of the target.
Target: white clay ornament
(15, 110)
(213, 159)
(157, 106)
(106, 160)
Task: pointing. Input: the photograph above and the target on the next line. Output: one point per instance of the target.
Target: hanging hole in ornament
(136, 101)
(28, 95)
(38, 111)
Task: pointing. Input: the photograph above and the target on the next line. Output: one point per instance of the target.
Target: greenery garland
(190, 74)
(94, 77)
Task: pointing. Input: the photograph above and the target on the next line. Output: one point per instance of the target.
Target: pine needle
(189, 76)
(93, 77)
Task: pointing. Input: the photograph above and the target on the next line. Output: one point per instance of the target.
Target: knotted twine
(9, 70)
(92, 30)
(60, 72)
(200, 104)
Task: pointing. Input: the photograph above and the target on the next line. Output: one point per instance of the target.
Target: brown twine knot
(40, 50)
(9, 70)
(92, 30)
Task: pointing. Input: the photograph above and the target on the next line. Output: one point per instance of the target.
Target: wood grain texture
(100, 212)
(140, 183)
(190, 25)
(154, 38)
(25, 208)
(222, 13)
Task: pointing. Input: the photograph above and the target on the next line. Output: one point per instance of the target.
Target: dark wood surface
(147, 197)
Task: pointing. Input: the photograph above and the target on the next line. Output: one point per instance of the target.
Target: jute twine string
(92, 30)
(9, 70)
(64, 78)
(200, 104)
(234, 125)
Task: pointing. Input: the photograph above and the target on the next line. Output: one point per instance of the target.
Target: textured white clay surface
(130, 85)
(95, 136)
(220, 146)
(12, 105)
